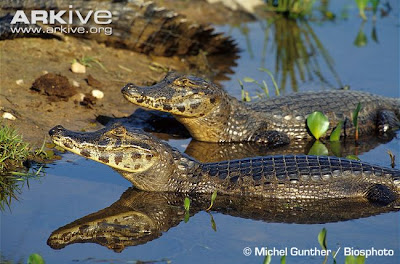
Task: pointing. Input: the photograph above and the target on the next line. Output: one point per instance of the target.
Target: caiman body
(211, 115)
(153, 165)
(138, 25)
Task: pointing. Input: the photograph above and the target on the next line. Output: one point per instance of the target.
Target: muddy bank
(37, 110)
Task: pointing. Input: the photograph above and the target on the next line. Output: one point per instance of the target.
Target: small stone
(75, 83)
(97, 94)
(76, 67)
(45, 72)
(8, 116)
(19, 82)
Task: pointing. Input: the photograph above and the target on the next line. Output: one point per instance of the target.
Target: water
(75, 187)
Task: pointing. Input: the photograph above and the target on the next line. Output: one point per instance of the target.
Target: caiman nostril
(56, 130)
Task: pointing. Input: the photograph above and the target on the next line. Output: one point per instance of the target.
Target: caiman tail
(136, 25)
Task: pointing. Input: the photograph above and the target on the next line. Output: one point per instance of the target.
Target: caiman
(210, 114)
(137, 25)
(153, 165)
(139, 217)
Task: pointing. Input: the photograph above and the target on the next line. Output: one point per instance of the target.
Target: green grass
(13, 174)
(13, 151)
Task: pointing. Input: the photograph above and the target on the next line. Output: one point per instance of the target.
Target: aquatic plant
(355, 120)
(186, 205)
(352, 157)
(264, 87)
(318, 124)
(335, 135)
(299, 53)
(292, 8)
(35, 259)
(213, 197)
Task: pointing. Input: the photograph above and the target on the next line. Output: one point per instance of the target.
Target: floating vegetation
(35, 259)
(352, 157)
(318, 124)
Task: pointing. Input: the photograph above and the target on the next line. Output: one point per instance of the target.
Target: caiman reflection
(139, 217)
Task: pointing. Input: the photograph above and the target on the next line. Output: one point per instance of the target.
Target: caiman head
(180, 95)
(140, 157)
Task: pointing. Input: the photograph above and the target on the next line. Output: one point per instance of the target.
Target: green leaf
(35, 259)
(335, 135)
(267, 259)
(355, 115)
(349, 260)
(248, 79)
(352, 157)
(317, 123)
(272, 78)
(213, 197)
(360, 259)
(186, 204)
(283, 260)
(318, 149)
(322, 238)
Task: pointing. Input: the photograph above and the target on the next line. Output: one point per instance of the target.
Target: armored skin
(153, 165)
(211, 115)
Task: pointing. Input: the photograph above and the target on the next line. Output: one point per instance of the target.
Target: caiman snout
(57, 130)
(130, 89)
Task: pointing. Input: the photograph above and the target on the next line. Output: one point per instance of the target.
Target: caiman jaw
(106, 147)
(186, 107)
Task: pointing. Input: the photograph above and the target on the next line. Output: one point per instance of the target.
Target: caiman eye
(118, 131)
(184, 82)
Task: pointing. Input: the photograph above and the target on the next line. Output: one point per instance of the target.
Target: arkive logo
(51, 17)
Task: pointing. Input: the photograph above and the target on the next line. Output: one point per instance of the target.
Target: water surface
(74, 187)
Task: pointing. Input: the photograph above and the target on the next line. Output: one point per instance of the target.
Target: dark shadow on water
(139, 217)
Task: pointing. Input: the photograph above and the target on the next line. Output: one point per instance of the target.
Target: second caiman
(153, 165)
(210, 114)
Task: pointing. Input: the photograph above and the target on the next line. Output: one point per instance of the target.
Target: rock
(19, 82)
(8, 116)
(76, 67)
(55, 86)
(97, 94)
(75, 83)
